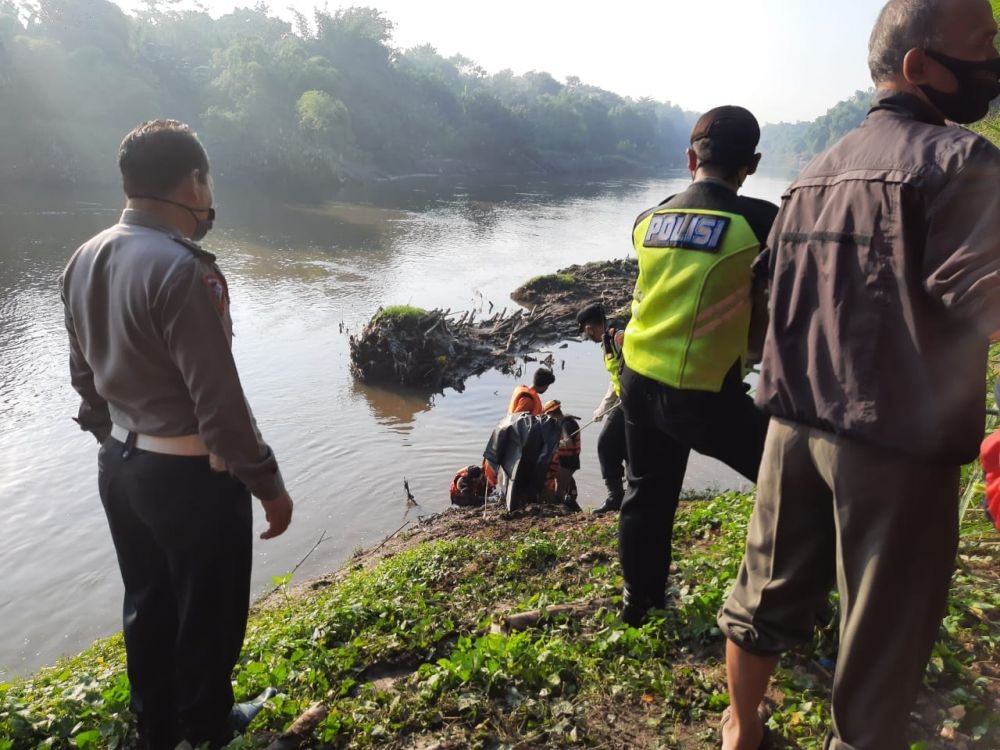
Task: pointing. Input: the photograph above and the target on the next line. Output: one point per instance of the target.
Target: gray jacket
(150, 336)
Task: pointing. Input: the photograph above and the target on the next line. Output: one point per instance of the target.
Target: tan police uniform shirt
(150, 335)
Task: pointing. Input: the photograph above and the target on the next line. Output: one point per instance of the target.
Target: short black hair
(592, 314)
(543, 377)
(902, 25)
(157, 155)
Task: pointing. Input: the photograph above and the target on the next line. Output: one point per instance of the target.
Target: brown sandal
(764, 713)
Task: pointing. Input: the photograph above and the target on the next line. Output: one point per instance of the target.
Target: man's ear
(692, 160)
(915, 67)
(752, 167)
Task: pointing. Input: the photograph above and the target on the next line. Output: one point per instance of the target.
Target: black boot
(243, 713)
(569, 502)
(635, 607)
(613, 503)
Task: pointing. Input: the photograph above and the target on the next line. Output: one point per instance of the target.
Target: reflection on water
(296, 274)
(396, 409)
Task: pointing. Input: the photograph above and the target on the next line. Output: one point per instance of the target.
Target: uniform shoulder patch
(216, 290)
(687, 231)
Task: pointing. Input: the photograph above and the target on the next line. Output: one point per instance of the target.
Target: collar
(135, 217)
(715, 181)
(906, 105)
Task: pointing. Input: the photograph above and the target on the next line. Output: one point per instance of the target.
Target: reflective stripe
(737, 296)
(714, 325)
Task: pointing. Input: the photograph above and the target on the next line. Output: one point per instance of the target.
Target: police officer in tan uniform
(147, 311)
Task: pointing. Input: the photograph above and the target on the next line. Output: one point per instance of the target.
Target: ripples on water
(296, 273)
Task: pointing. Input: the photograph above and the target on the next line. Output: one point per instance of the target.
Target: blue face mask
(202, 226)
(978, 85)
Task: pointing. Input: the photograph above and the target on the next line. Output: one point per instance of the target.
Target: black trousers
(183, 535)
(662, 426)
(611, 450)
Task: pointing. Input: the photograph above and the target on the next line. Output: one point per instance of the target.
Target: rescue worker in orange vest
(611, 451)
(528, 398)
(560, 482)
(468, 487)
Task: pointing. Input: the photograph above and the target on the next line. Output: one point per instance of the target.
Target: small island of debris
(440, 349)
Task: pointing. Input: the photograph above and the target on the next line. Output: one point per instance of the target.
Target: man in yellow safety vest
(685, 348)
(593, 326)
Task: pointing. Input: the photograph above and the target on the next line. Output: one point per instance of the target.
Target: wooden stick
(525, 620)
(299, 564)
(302, 728)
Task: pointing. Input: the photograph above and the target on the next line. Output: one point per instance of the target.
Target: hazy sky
(784, 59)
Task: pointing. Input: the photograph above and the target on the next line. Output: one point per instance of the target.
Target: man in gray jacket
(884, 282)
(150, 333)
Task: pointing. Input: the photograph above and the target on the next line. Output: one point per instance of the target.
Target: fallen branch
(298, 565)
(531, 618)
(302, 729)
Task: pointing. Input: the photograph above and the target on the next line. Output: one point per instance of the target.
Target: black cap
(726, 136)
(593, 313)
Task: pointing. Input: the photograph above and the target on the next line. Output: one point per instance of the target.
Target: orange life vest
(990, 457)
(569, 446)
(466, 491)
(521, 393)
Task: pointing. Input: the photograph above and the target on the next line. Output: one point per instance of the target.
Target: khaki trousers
(884, 528)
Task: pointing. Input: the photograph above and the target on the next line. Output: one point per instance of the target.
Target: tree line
(315, 101)
(310, 101)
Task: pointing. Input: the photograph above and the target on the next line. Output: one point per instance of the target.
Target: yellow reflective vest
(691, 307)
(612, 348)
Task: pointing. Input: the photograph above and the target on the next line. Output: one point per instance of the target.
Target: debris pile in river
(440, 349)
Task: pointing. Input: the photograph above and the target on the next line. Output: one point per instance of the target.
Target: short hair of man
(902, 25)
(157, 155)
(543, 378)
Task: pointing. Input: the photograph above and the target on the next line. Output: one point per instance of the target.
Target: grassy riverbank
(403, 648)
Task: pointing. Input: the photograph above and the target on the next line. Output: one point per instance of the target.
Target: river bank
(412, 644)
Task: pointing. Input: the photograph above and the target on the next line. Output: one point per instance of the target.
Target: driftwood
(441, 349)
(301, 730)
(531, 618)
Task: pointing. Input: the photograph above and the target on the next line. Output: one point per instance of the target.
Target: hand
(278, 513)
(598, 415)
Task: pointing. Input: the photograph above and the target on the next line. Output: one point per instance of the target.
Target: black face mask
(202, 226)
(978, 85)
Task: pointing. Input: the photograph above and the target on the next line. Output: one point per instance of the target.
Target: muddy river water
(298, 275)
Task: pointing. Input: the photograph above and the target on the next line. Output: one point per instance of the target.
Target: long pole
(599, 416)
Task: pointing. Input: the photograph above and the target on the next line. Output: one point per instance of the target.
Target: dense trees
(307, 102)
(315, 101)
(800, 141)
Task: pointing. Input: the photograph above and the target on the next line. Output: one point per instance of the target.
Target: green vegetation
(400, 312)
(800, 141)
(314, 103)
(990, 127)
(549, 280)
(303, 105)
(402, 650)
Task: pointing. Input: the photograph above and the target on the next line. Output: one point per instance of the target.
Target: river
(296, 274)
